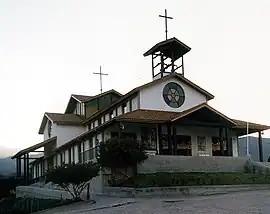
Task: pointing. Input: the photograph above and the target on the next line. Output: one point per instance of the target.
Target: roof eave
(43, 124)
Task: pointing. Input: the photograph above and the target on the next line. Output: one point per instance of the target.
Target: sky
(49, 50)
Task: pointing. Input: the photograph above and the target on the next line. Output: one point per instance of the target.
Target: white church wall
(119, 110)
(66, 156)
(235, 146)
(34, 171)
(128, 106)
(66, 133)
(152, 97)
(58, 159)
(76, 154)
(107, 117)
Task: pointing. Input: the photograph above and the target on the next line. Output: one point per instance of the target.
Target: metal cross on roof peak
(166, 25)
(100, 75)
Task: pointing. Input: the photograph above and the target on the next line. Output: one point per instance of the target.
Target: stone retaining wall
(179, 190)
(165, 163)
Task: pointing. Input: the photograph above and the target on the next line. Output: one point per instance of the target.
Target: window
(149, 137)
(183, 145)
(114, 134)
(129, 135)
(201, 141)
(215, 144)
(49, 128)
(173, 95)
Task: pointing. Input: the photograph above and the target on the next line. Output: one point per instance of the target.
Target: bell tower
(168, 55)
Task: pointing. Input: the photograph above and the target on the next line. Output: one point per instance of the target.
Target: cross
(100, 75)
(166, 25)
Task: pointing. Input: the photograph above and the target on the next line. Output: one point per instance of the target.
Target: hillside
(7, 166)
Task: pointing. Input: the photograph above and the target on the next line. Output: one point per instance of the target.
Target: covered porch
(29, 161)
(200, 131)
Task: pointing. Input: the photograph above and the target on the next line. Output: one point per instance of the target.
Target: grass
(193, 179)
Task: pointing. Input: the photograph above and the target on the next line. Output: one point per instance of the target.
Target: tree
(7, 186)
(73, 177)
(119, 154)
(268, 159)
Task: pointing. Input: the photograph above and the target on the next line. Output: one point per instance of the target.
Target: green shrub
(73, 177)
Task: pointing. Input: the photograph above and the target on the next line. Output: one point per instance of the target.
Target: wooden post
(79, 153)
(221, 141)
(24, 169)
(260, 147)
(169, 136)
(227, 142)
(27, 168)
(19, 167)
(174, 140)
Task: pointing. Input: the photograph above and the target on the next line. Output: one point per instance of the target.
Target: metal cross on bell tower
(100, 76)
(167, 55)
(166, 24)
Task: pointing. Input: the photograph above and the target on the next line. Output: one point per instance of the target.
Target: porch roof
(38, 160)
(147, 116)
(34, 147)
(241, 128)
(204, 112)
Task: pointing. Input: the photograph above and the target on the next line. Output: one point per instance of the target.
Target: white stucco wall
(152, 97)
(66, 133)
(119, 110)
(76, 156)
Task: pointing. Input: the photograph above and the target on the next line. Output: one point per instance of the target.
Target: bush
(118, 154)
(121, 153)
(73, 177)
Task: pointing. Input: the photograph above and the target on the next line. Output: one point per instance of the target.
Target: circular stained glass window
(173, 95)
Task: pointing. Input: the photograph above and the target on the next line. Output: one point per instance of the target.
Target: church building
(170, 114)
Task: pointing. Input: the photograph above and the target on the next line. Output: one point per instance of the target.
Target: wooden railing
(89, 154)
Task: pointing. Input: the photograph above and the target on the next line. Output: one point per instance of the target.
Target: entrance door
(182, 145)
